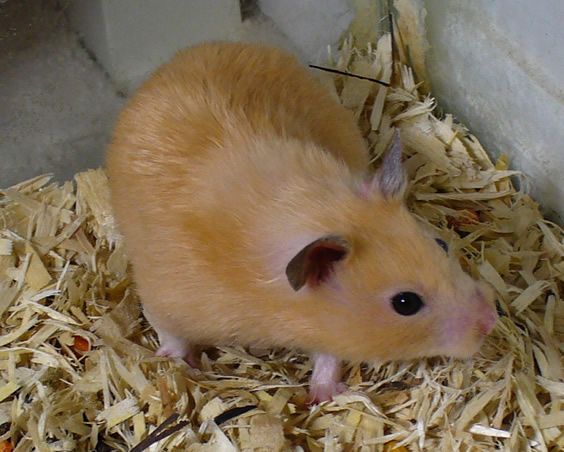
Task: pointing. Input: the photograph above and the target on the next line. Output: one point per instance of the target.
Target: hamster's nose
(487, 312)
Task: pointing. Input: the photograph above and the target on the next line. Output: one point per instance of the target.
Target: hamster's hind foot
(175, 347)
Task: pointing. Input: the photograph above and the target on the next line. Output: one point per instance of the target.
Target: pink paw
(325, 382)
(323, 392)
(172, 350)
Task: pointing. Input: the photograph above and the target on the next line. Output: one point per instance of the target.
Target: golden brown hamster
(250, 216)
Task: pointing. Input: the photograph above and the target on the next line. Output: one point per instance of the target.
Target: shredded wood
(77, 364)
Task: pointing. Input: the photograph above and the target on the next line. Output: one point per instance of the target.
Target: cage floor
(56, 105)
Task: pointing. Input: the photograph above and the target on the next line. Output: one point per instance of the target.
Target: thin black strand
(232, 413)
(348, 74)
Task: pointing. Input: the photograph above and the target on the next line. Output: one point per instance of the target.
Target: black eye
(407, 303)
(442, 244)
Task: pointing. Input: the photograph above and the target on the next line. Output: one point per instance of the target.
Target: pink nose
(487, 315)
(487, 321)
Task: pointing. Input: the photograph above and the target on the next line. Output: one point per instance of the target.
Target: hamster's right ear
(390, 179)
(314, 264)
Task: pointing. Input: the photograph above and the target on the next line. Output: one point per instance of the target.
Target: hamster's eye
(442, 244)
(407, 303)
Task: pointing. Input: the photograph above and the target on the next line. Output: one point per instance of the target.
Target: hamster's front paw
(325, 379)
(322, 392)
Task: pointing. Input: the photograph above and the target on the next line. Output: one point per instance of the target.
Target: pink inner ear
(314, 263)
(366, 188)
(320, 262)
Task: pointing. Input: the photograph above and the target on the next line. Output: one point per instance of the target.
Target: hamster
(250, 216)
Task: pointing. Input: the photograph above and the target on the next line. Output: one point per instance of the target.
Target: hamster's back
(196, 104)
(204, 91)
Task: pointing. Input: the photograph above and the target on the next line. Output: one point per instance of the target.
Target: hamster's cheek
(393, 338)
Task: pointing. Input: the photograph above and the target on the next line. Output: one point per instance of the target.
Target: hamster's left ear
(390, 179)
(314, 264)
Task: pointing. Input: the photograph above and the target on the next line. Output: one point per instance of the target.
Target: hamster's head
(386, 288)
